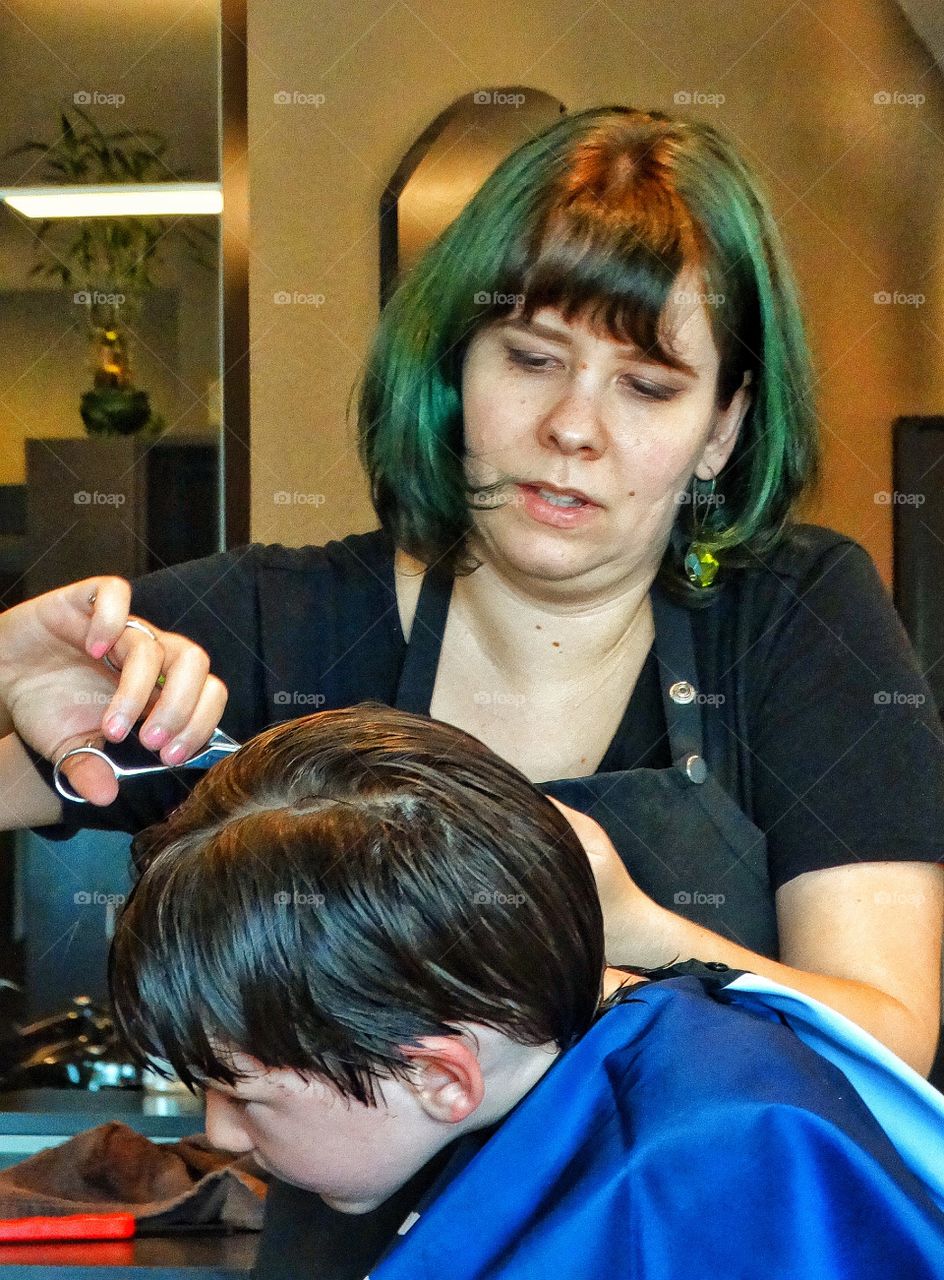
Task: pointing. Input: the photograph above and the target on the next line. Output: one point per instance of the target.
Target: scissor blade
(219, 745)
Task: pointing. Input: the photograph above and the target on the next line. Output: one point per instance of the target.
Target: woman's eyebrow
(542, 330)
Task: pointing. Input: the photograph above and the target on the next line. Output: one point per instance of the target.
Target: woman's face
(553, 406)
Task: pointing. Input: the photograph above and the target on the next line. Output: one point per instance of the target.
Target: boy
(379, 949)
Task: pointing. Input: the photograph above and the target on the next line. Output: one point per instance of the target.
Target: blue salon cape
(700, 1131)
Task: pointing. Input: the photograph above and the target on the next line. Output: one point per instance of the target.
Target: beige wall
(856, 187)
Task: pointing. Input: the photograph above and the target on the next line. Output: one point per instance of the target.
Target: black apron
(684, 840)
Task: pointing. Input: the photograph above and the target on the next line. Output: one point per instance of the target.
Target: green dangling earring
(700, 565)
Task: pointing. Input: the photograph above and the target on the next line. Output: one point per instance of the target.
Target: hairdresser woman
(587, 419)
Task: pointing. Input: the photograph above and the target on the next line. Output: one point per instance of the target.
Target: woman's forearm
(671, 937)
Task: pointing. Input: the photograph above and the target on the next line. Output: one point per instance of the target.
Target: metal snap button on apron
(695, 768)
(682, 691)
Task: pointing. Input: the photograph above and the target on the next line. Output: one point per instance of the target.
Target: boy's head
(364, 933)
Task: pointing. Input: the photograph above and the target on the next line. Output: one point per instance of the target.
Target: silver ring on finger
(138, 626)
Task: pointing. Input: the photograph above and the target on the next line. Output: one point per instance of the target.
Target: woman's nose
(573, 426)
(224, 1125)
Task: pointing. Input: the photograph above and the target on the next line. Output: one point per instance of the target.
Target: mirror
(110, 397)
(90, 93)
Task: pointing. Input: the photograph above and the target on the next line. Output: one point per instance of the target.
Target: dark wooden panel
(118, 506)
(918, 522)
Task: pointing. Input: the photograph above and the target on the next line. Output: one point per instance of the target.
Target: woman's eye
(651, 391)
(543, 364)
(528, 361)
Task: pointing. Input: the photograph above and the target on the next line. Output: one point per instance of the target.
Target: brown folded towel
(114, 1169)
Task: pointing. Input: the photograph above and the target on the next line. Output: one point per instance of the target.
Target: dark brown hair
(347, 883)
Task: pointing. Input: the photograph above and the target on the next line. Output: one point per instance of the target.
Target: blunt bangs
(604, 258)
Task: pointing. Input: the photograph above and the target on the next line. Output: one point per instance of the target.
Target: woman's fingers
(90, 777)
(180, 715)
(139, 657)
(106, 600)
(186, 725)
(186, 709)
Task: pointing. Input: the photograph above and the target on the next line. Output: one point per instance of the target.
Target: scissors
(219, 744)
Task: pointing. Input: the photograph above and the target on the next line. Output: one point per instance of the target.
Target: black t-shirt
(818, 719)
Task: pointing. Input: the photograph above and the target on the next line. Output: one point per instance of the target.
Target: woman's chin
(548, 556)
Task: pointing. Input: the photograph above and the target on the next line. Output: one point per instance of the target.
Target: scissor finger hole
(61, 780)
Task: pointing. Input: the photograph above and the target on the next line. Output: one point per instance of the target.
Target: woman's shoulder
(808, 563)
(357, 554)
(816, 580)
(255, 578)
(806, 551)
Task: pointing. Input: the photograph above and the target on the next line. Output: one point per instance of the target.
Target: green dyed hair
(597, 216)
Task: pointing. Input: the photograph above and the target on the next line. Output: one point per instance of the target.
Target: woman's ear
(725, 431)
(446, 1077)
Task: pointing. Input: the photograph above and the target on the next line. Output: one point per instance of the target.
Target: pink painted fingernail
(174, 754)
(117, 725)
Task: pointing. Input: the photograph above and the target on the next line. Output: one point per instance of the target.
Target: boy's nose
(224, 1127)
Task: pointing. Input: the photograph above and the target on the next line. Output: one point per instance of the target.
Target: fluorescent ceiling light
(120, 200)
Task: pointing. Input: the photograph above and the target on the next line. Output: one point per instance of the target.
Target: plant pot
(115, 411)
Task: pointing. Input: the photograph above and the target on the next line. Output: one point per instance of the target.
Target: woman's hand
(630, 917)
(59, 694)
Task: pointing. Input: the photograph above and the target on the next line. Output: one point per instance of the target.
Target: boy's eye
(540, 364)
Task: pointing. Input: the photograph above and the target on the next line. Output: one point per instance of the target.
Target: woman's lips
(558, 517)
(555, 488)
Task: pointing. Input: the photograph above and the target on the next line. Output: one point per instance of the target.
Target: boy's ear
(446, 1077)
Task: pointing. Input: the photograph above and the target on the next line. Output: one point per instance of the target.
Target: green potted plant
(107, 263)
